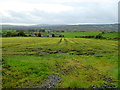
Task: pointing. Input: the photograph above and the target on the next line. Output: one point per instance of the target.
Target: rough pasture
(34, 62)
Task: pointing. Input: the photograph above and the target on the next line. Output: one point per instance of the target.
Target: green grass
(76, 33)
(81, 63)
(111, 35)
(72, 34)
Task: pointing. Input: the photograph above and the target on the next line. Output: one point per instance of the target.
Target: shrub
(21, 34)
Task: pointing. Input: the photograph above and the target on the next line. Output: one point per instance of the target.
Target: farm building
(43, 36)
(31, 35)
(51, 35)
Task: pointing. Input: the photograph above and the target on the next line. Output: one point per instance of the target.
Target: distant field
(35, 62)
(89, 33)
(73, 34)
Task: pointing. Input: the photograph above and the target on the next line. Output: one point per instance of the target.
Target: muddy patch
(103, 87)
(76, 52)
(68, 71)
(42, 52)
(51, 82)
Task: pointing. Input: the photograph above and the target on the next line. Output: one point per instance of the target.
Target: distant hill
(93, 27)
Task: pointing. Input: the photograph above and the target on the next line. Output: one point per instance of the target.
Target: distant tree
(48, 31)
(99, 36)
(8, 34)
(39, 34)
(60, 35)
(14, 34)
(53, 35)
(103, 32)
(32, 30)
(42, 30)
(21, 34)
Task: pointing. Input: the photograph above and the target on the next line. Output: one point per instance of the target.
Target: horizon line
(24, 24)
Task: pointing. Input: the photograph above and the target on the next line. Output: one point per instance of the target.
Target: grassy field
(72, 34)
(35, 62)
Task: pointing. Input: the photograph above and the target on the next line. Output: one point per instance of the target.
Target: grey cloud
(90, 13)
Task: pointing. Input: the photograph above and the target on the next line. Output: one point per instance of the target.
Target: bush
(39, 35)
(10, 34)
(21, 34)
(99, 36)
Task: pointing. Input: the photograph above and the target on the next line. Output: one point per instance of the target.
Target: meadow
(59, 62)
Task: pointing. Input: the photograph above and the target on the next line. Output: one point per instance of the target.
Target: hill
(88, 27)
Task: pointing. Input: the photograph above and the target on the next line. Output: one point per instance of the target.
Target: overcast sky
(58, 11)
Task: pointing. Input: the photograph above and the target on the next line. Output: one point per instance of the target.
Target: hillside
(93, 27)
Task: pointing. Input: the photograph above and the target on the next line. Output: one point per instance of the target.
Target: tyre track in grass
(70, 69)
(50, 48)
(66, 41)
(60, 45)
(27, 43)
(89, 77)
(65, 44)
(62, 40)
(53, 79)
(73, 41)
(72, 44)
(97, 73)
(59, 41)
(82, 50)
